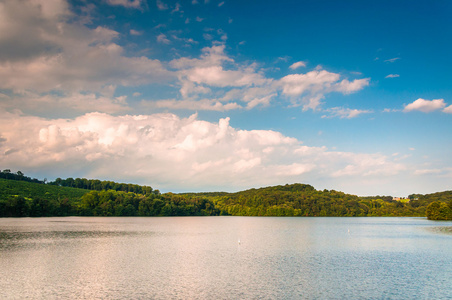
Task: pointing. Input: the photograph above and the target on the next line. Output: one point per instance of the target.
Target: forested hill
(21, 196)
(305, 200)
(81, 183)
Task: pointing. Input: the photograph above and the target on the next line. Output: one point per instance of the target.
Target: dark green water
(202, 258)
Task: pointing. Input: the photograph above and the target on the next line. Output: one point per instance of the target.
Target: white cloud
(203, 104)
(161, 38)
(427, 171)
(176, 8)
(161, 5)
(56, 55)
(126, 3)
(425, 105)
(198, 19)
(389, 110)
(186, 40)
(135, 32)
(253, 96)
(217, 76)
(211, 56)
(312, 87)
(316, 81)
(208, 71)
(52, 54)
(345, 113)
(392, 76)
(448, 109)
(348, 87)
(204, 75)
(367, 165)
(74, 102)
(169, 152)
(221, 4)
(297, 65)
(207, 36)
(391, 60)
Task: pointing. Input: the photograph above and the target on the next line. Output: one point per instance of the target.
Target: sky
(213, 95)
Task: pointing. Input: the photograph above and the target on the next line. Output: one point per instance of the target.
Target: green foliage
(97, 185)
(19, 198)
(30, 199)
(7, 174)
(26, 199)
(118, 203)
(439, 211)
(304, 200)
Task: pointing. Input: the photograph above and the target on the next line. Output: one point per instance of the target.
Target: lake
(225, 258)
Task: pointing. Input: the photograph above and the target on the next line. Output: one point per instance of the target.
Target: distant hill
(20, 197)
(15, 188)
(304, 200)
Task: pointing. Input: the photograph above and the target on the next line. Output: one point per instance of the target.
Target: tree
(438, 211)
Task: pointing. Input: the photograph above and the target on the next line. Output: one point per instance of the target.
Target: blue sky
(228, 95)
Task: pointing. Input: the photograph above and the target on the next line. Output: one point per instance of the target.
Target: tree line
(81, 183)
(305, 200)
(25, 199)
(98, 185)
(64, 197)
(7, 174)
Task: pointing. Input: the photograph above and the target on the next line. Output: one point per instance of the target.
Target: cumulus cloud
(347, 87)
(310, 88)
(170, 152)
(297, 65)
(425, 105)
(200, 75)
(46, 52)
(74, 103)
(215, 71)
(42, 51)
(448, 109)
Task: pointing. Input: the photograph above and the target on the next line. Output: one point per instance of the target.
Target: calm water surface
(225, 258)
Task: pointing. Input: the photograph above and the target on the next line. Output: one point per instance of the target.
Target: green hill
(20, 198)
(27, 199)
(31, 190)
(305, 200)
